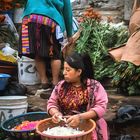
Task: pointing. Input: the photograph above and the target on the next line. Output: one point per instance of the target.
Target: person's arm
(53, 106)
(55, 113)
(74, 120)
(100, 101)
(67, 13)
(97, 110)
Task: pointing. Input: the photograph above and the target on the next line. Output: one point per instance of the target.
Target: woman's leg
(55, 67)
(41, 68)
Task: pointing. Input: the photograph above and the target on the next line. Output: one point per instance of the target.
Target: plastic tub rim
(72, 136)
(4, 75)
(9, 97)
(18, 116)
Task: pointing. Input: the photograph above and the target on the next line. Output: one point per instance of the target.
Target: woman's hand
(56, 117)
(70, 40)
(73, 120)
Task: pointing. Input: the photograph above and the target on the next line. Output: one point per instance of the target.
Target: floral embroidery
(75, 99)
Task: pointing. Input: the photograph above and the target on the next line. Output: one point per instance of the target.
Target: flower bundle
(26, 125)
(90, 13)
(6, 5)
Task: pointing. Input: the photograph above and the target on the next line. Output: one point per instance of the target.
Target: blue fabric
(59, 33)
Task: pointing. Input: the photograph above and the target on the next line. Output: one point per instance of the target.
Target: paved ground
(115, 102)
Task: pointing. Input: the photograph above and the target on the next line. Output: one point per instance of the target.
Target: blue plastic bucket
(4, 80)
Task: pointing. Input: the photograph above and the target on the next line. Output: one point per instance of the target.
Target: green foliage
(2, 135)
(96, 38)
(127, 77)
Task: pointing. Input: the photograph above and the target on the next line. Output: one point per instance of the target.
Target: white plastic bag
(7, 50)
(11, 25)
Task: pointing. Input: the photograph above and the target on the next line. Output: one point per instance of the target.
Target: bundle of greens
(96, 38)
(127, 78)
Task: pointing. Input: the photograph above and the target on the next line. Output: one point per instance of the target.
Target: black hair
(81, 61)
(88, 71)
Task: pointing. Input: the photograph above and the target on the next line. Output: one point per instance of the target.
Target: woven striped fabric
(37, 19)
(25, 36)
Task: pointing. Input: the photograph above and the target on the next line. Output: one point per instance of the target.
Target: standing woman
(38, 36)
(79, 96)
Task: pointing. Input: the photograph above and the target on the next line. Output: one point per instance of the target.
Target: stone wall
(118, 9)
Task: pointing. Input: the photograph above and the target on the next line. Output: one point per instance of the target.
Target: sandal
(45, 95)
(46, 86)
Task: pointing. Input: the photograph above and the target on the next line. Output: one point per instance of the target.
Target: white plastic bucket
(27, 72)
(11, 106)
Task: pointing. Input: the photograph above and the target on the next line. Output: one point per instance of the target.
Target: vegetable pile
(62, 131)
(127, 78)
(96, 38)
(6, 5)
(26, 125)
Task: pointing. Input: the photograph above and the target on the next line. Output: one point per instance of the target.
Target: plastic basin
(4, 80)
(87, 125)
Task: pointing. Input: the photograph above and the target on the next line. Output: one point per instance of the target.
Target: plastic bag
(9, 22)
(11, 25)
(60, 34)
(7, 50)
(127, 113)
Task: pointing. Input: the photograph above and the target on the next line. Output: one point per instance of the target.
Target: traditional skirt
(38, 37)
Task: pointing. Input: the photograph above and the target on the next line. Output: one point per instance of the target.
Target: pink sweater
(99, 105)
